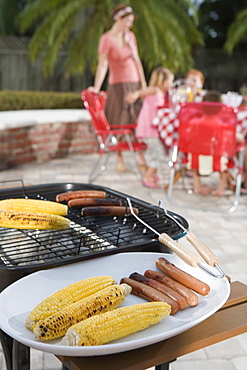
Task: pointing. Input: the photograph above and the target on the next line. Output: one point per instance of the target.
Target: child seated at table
(213, 96)
(195, 80)
(153, 96)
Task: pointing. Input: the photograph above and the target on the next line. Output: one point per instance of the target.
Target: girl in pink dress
(153, 96)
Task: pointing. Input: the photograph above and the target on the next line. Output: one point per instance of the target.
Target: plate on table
(18, 299)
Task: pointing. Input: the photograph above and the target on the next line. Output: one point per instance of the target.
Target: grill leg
(64, 367)
(164, 366)
(7, 343)
(16, 355)
(20, 356)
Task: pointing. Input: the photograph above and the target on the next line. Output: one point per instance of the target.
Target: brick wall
(39, 143)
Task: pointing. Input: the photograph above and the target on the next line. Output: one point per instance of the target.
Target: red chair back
(115, 138)
(102, 98)
(207, 128)
(94, 103)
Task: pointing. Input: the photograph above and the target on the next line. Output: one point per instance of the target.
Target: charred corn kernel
(116, 324)
(107, 299)
(34, 205)
(66, 296)
(33, 220)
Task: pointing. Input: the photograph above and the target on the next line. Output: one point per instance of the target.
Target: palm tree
(237, 31)
(165, 29)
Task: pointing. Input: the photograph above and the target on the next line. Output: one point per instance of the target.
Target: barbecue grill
(25, 251)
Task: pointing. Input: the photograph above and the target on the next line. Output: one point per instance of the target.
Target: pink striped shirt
(122, 67)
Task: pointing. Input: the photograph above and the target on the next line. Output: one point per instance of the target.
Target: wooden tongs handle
(184, 253)
(202, 249)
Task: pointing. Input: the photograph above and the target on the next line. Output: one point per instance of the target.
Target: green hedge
(20, 100)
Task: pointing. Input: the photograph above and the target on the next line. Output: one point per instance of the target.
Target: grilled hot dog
(65, 197)
(181, 276)
(181, 301)
(94, 202)
(106, 211)
(191, 297)
(150, 294)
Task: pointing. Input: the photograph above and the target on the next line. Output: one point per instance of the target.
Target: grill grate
(87, 238)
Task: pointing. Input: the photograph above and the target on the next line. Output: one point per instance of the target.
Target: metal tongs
(184, 253)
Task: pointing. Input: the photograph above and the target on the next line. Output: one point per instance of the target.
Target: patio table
(166, 121)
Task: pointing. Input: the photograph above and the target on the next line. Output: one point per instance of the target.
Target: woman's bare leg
(120, 163)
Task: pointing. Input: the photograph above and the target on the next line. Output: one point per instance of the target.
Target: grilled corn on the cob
(34, 205)
(33, 220)
(107, 299)
(66, 296)
(115, 324)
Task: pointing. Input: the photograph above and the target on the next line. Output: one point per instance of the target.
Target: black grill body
(25, 251)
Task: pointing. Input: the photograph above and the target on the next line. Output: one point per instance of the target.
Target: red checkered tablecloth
(242, 119)
(167, 122)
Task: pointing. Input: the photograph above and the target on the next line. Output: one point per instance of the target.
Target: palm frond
(165, 29)
(52, 52)
(35, 11)
(167, 37)
(237, 31)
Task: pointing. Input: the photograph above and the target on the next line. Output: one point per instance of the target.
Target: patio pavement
(224, 233)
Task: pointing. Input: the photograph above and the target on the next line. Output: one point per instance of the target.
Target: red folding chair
(207, 133)
(102, 97)
(112, 138)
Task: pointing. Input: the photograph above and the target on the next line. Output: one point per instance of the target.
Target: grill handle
(181, 251)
